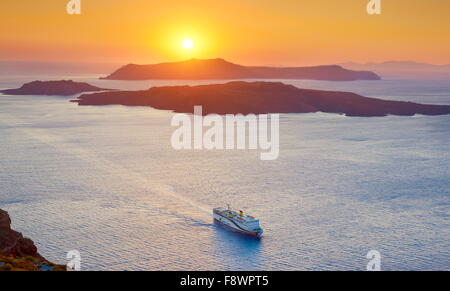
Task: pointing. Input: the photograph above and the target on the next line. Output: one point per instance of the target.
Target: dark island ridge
(219, 69)
(259, 98)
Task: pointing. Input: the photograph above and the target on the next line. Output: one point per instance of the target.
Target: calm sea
(106, 181)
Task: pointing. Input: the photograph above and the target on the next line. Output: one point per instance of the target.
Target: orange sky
(253, 32)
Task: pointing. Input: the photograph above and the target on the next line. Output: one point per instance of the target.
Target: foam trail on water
(171, 191)
(129, 176)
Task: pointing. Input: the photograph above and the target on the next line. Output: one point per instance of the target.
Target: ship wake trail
(159, 193)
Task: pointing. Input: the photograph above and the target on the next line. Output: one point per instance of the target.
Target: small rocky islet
(53, 88)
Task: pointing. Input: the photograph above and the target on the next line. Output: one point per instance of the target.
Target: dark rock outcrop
(219, 69)
(259, 98)
(61, 88)
(18, 252)
(12, 243)
(5, 220)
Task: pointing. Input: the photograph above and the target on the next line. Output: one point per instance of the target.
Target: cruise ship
(238, 221)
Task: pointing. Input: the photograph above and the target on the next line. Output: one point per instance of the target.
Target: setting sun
(187, 43)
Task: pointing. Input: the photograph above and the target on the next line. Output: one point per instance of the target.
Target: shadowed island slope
(258, 98)
(219, 69)
(60, 88)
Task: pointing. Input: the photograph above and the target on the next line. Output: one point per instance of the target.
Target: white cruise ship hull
(235, 225)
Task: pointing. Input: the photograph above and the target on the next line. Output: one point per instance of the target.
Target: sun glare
(187, 43)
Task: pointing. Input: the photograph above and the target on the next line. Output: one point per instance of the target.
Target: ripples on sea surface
(105, 181)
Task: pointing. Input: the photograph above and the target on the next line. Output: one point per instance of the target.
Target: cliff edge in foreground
(18, 253)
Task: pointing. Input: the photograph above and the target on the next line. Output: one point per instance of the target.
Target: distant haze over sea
(60, 68)
(389, 69)
(404, 69)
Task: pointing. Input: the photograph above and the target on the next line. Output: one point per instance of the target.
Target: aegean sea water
(106, 181)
